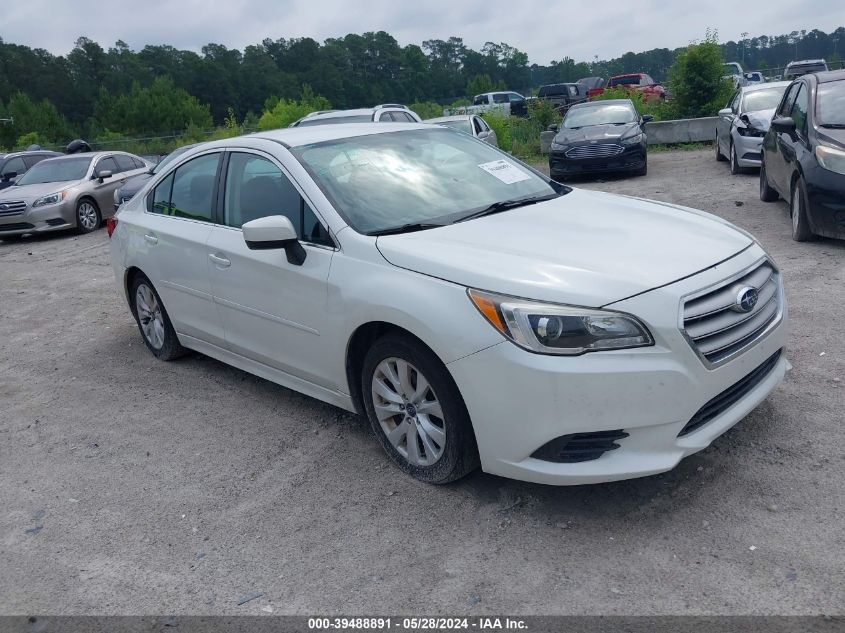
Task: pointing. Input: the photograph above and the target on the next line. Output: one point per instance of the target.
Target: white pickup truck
(489, 101)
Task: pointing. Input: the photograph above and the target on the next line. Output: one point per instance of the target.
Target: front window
(59, 170)
(380, 182)
(765, 99)
(830, 104)
(604, 114)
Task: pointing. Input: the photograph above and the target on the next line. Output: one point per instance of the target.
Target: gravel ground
(132, 486)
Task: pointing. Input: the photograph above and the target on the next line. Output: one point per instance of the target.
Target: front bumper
(748, 150)
(519, 401)
(54, 217)
(633, 158)
(826, 201)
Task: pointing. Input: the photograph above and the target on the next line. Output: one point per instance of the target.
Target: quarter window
(256, 188)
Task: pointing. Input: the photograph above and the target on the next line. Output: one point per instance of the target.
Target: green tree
(696, 79)
(282, 112)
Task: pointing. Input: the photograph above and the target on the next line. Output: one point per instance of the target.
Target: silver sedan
(743, 123)
(471, 124)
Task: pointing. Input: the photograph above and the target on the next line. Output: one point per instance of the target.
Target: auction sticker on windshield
(507, 172)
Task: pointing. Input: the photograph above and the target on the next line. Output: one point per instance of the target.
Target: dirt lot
(132, 486)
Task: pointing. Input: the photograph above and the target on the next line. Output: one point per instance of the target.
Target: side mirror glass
(102, 175)
(8, 175)
(783, 124)
(725, 112)
(274, 232)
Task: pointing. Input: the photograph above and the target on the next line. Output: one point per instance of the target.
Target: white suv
(388, 113)
(472, 309)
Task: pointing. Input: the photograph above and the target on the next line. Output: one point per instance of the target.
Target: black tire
(719, 156)
(459, 452)
(801, 231)
(88, 216)
(644, 170)
(170, 348)
(767, 193)
(734, 162)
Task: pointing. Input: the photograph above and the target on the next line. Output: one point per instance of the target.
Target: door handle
(150, 239)
(219, 261)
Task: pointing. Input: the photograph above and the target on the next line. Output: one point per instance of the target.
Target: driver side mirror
(725, 112)
(647, 118)
(8, 175)
(273, 232)
(553, 127)
(102, 175)
(783, 124)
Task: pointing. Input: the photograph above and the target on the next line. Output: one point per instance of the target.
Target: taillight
(111, 225)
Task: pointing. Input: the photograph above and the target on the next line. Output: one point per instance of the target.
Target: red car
(652, 91)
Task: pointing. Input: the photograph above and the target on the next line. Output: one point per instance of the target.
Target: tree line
(96, 92)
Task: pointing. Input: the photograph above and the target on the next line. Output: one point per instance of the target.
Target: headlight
(831, 158)
(53, 198)
(548, 328)
(559, 147)
(632, 140)
(750, 131)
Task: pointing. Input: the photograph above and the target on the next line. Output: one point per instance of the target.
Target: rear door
(171, 242)
(273, 312)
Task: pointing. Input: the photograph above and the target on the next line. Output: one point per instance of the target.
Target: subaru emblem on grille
(746, 299)
(3, 207)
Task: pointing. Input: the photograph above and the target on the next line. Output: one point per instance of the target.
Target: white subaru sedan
(473, 310)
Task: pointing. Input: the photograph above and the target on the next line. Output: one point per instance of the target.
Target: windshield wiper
(835, 126)
(406, 228)
(506, 205)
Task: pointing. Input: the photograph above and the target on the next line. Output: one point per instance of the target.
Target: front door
(273, 311)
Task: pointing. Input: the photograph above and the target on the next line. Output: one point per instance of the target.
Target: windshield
(766, 99)
(610, 114)
(57, 170)
(462, 126)
(830, 103)
(355, 118)
(383, 181)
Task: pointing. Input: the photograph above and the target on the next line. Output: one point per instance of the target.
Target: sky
(545, 29)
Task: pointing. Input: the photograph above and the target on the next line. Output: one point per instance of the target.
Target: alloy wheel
(408, 411)
(149, 316)
(87, 216)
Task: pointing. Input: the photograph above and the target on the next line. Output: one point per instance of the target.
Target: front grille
(714, 323)
(579, 447)
(12, 207)
(725, 400)
(19, 226)
(599, 150)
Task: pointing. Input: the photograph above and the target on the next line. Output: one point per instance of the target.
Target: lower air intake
(579, 447)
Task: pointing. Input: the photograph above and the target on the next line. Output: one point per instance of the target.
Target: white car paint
(293, 324)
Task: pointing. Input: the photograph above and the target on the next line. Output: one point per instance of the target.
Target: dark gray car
(133, 185)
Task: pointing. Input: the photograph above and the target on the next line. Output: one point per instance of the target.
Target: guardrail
(663, 132)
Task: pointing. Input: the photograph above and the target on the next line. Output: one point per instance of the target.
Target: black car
(600, 136)
(804, 155)
(133, 185)
(561, 96)
(16, 164)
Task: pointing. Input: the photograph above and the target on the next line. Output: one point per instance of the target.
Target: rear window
(551, 91)
(630, 80)
(804, 69)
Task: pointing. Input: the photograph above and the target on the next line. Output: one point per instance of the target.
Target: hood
(134, 184)
(832, 136)
(585, 248)
(760, 119)
(34, 191)
(596, 133)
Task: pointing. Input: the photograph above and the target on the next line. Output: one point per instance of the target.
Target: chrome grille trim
(719, 333)
(599, 150)
(12, 207)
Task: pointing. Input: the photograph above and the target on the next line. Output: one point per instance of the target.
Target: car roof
(454, 117)
(92, 155)
(331, 114)
(589, 104)
(830, 75)
(771, 84)
(298, 136)
(806, 61)
(627, 75)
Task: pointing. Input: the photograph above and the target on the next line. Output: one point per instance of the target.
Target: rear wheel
(416, 411)
(153, 322)
(87, 216)
(801, 231)
(767, 193)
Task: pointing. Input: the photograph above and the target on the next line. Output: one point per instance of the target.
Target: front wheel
(719, 156)
(87, 216)
(735, 168)
(416, 411)
(801, 231)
